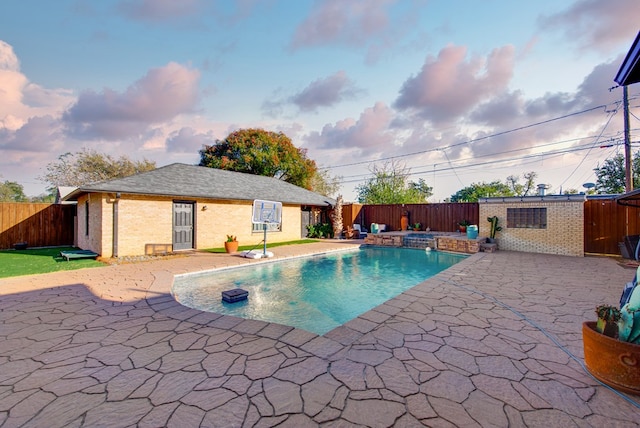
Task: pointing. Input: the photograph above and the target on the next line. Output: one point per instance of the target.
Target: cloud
(596, 24)
(161, 95)
(370, 132)
(324, 92)
(38, 134)
(449, 86)
(159, 10)
(188, 140)
(353, 23)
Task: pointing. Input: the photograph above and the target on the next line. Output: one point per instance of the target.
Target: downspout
(114, 250)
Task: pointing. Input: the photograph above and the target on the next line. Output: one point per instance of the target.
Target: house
(182, 207)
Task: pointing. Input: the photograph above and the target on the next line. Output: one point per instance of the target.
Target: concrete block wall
(564, 234)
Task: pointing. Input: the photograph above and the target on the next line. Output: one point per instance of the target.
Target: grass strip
(40, 260)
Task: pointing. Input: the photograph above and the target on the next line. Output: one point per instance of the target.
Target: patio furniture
(78, 254)
(362, 232)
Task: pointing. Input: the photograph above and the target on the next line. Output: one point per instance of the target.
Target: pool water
(316, 293)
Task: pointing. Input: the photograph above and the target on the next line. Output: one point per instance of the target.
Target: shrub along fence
(40, 225)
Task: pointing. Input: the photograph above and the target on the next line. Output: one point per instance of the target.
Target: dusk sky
(459, 91)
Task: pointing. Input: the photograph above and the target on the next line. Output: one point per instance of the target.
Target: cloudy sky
(458, 92)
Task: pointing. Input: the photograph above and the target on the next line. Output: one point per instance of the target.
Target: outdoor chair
(362, 232)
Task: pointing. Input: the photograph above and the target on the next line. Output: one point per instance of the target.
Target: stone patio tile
(209, 399)
(126, 382)
(372, 412)
(264, 367)
(502, 390)
(498, 366)
(284, 396)
(63, 411)
(419, 406)
(174, 386)
(322, 347)
(317, 394)
(186, 416)
(486, 410)
(297, 337)
(121, 413)
(450, 386)
(302, 372)
(179, 360)
(395, 377)
(250, 326)
(274, 331)
(453, 413)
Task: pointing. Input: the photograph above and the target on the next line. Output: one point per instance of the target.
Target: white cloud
(162, 94)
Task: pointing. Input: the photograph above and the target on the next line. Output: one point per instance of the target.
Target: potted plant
(231, 245)
(463, 226)
(612, 345)
(494, 228)
(417, 226)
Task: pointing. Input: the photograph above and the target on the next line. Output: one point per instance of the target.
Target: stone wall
(564, 233)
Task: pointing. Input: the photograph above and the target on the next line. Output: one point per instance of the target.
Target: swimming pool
(316, 293)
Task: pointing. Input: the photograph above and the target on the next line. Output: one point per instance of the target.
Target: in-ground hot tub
(418, 240)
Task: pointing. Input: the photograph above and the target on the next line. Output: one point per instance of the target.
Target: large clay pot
(231, 246)
(610, 360)
(404, 222)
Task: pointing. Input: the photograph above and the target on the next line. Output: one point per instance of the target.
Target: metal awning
(629, 72)
(629, 199)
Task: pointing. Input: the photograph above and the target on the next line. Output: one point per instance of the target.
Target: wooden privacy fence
(606, 223)
(40, 225)
(442, 217)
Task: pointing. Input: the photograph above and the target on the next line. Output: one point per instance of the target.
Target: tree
(260, 152)
(390, 186)
(89, 166)
(323, 183)
(611, 175)
(482, 190)
(11, 191)
(522, 189)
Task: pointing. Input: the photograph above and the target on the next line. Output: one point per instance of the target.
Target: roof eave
(629, 71)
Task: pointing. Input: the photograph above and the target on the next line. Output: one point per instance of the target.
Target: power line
(613, 113)
(475, 140)
(489, 162)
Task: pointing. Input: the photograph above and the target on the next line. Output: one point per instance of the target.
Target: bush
(321, 230)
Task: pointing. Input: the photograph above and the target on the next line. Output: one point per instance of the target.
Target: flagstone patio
(493, 341)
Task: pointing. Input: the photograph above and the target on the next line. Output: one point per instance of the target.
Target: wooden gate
(606, 223)
(182, 226)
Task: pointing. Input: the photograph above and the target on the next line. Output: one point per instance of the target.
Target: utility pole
(628, 164)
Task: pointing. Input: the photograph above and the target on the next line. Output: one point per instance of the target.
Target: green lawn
(44, 260)
(261, 246)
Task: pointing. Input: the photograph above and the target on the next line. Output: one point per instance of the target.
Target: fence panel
(40, 225)
(442, 217)
(606, 223)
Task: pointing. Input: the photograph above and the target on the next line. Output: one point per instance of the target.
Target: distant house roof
(182, 181)
(629, 72)
(62, 192)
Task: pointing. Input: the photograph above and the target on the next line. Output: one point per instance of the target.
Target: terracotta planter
(611, 361)
(404, 222)
(231, 247)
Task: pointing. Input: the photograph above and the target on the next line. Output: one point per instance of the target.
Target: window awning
(629, 72)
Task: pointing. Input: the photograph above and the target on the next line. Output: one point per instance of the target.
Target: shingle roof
(181, 180)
